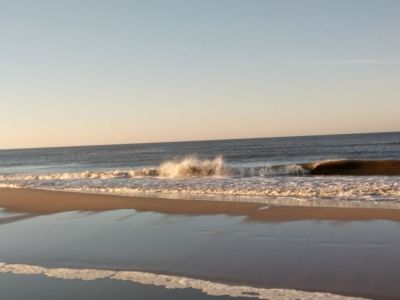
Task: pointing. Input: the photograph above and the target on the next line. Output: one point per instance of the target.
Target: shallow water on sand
(17, 287)
(353, 258)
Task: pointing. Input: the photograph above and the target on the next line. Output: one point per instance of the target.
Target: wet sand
(33, 202)
(352, 258)
(345, 251)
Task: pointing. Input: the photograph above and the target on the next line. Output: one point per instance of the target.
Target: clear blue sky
(103, 72)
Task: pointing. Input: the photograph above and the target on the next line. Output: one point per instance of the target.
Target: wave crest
(193, 166)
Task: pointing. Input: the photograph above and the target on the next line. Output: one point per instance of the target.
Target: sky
(111, 72)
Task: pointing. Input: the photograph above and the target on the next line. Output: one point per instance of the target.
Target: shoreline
(206, 244)
(39, 202)
(170, 282)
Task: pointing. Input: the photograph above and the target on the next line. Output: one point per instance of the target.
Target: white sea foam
(213, 177)
(303, 189)
(167, 281)
(193, 166)
(190, 166)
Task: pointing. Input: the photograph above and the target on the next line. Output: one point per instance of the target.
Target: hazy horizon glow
(91, 72)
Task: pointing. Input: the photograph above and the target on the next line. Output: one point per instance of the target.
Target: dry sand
(33, 201)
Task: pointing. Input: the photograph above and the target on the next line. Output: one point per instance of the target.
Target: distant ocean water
(270, 170)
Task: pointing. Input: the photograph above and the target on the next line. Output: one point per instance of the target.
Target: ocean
(267, 170)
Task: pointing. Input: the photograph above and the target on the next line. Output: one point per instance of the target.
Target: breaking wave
(192, 176)
(186, 167)
(195, 167)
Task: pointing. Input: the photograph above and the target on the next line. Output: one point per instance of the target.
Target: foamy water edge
(281, 201)
(212, 178)
(167, 281)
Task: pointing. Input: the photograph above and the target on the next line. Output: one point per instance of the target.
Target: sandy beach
(200, 150)
(342, 251)
(34, 201)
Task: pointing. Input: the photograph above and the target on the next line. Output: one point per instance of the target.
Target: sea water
(262, 170)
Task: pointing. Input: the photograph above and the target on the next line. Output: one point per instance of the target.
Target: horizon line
(188, 141)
